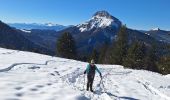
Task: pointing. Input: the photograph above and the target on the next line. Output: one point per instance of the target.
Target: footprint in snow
(19, 94)
(57, 72)
(52, 74)
(49, 84)
(39, 86)
(34, 89)
(63, 70)
(161, 87)
(18, 88)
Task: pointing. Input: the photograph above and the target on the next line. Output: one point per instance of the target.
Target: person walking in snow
(90, 70)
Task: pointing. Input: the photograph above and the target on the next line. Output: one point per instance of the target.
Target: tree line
(135, 55)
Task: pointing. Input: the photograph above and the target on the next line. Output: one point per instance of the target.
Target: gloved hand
(100, 75)
(84, 72)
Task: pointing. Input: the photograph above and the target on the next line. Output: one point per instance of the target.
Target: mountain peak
(100, 19)
(103, 14)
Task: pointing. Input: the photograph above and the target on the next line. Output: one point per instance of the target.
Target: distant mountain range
(100, 29)
(29, 26)
(13, 39)
(160, 35)
(45, 38)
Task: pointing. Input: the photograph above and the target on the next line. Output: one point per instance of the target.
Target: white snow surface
(147, 33)
(31, 76)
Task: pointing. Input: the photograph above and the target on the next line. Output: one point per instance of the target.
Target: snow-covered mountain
(100, 19)
(40, 77)
(46, 26)
(101, 28)
(160, 35)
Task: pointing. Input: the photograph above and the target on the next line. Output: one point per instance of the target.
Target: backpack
(92, 69)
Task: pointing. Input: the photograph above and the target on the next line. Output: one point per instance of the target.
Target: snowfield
(31, 76)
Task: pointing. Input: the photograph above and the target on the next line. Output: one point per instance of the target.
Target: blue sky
(137, 14)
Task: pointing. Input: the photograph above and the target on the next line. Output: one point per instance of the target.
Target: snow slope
(31, 76)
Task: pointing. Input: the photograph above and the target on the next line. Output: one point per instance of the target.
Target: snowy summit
(155, 29)
(100, 19)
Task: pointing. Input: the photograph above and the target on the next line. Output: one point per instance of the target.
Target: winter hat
(92, 61)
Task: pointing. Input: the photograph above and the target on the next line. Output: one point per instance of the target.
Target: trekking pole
(102, 84)
(84, 83)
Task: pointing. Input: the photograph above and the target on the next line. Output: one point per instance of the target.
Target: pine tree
(66, 46)
(151, 59)
(164, 65)
(120, 47)
(102, 53)
(135, 56)
(94, 55)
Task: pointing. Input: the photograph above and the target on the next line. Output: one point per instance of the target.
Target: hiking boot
(91, 90)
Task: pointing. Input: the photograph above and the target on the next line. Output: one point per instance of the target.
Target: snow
(155, 29)
(147, 33)
(31, 76)
(102, 21)
(167, 75)
(27, 31)
(98, 21)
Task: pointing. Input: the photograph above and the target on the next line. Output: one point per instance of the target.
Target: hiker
(90, 70)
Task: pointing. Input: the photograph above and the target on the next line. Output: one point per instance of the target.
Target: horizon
(139, 15)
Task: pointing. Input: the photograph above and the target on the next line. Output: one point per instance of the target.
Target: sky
(136, 14)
